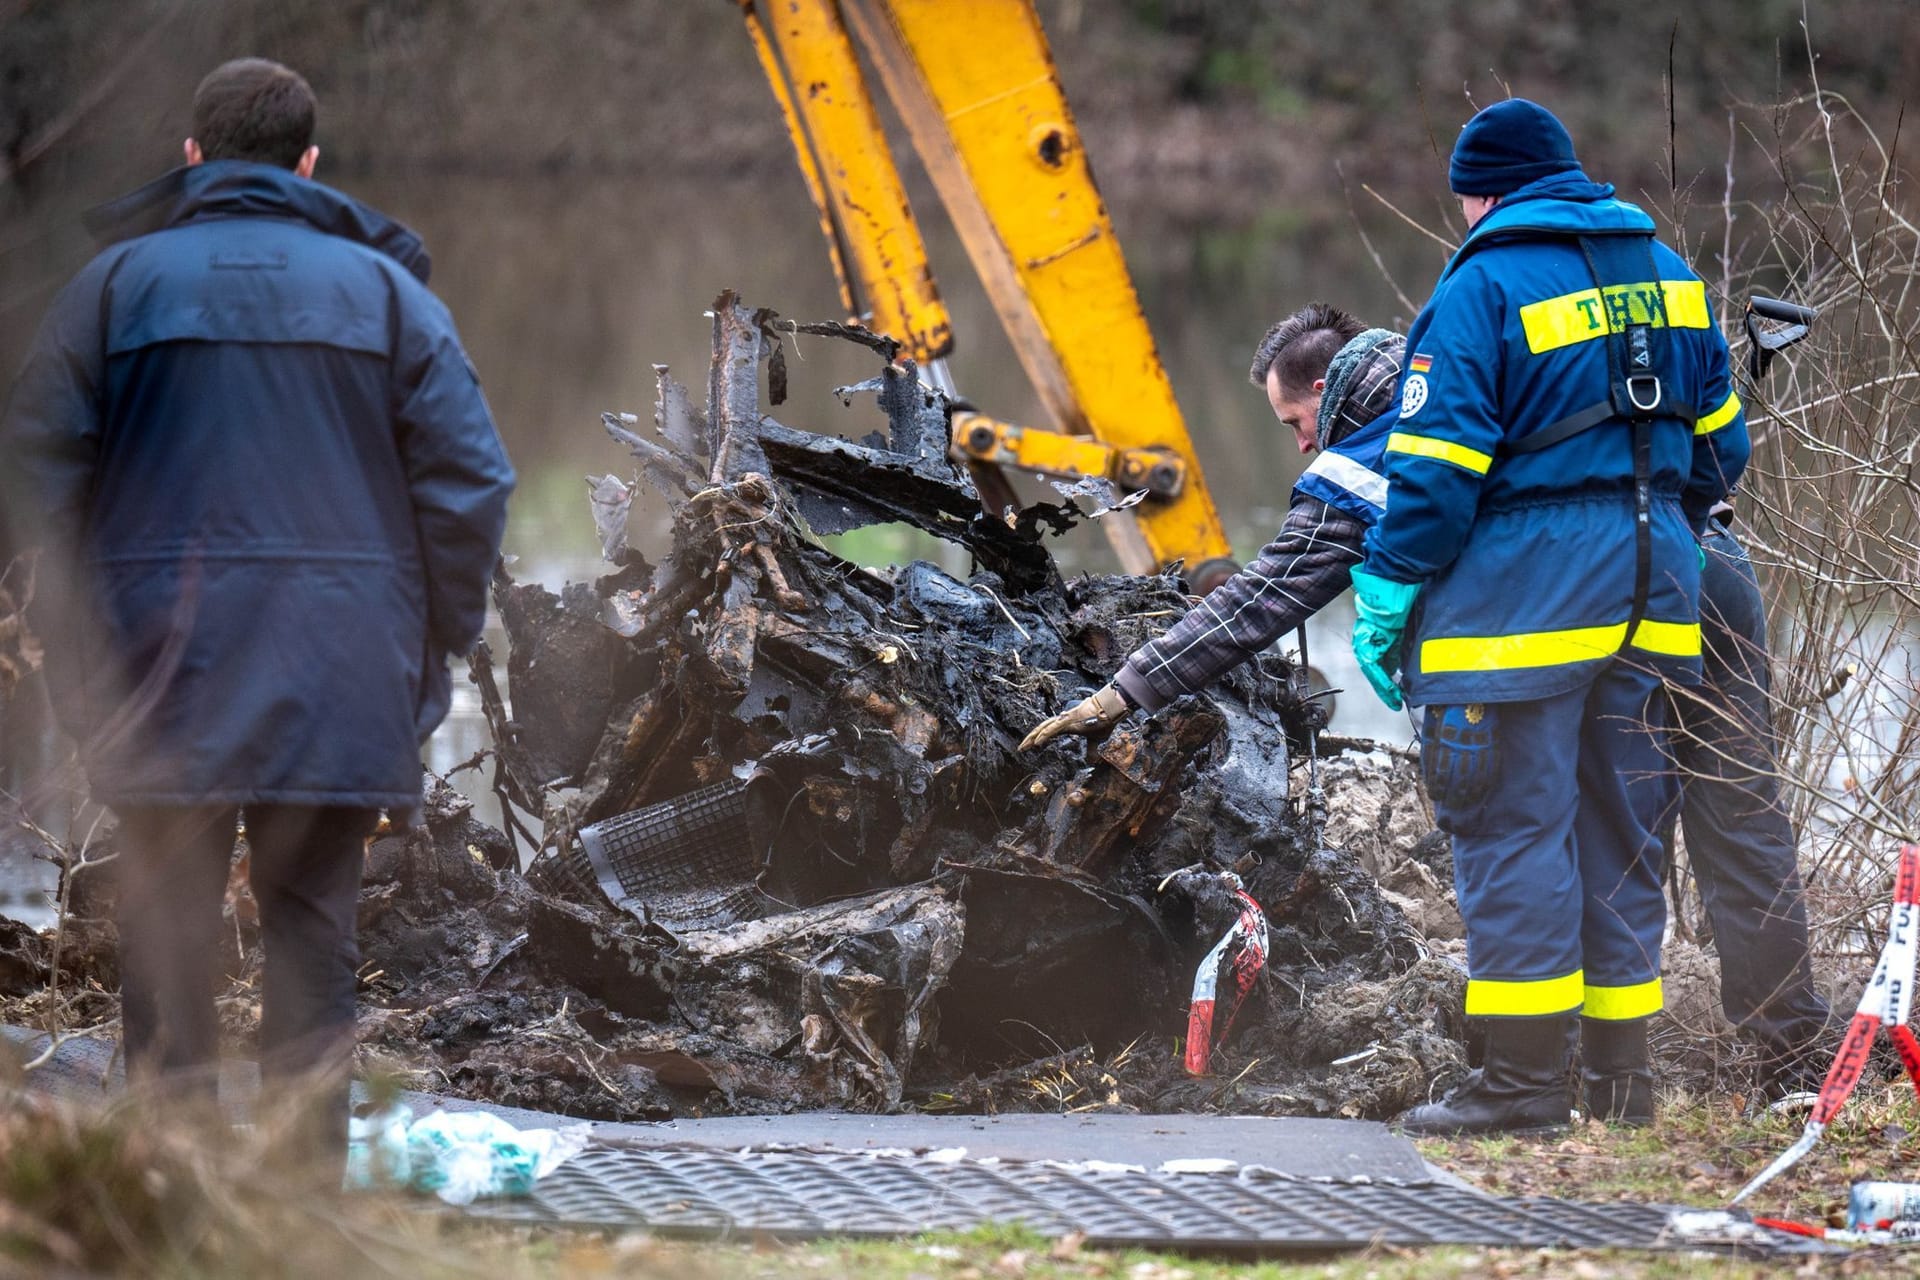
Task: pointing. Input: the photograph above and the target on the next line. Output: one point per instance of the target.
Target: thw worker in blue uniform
(1567, 423)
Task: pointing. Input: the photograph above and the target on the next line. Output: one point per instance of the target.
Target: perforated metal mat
(769, 1176)
(798, 1195)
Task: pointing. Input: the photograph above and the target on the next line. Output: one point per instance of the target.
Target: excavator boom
(975, 85)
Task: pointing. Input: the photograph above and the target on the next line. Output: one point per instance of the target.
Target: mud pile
(840, 883)
(791, 857)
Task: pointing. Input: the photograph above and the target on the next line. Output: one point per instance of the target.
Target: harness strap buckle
(1634, 384)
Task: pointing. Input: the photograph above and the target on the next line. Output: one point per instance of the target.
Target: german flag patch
(1420, 364)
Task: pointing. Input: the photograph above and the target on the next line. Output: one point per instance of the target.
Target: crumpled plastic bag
(377, 1149)
(458, 1156)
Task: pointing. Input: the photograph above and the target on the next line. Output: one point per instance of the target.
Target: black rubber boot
(1522, 1088)
(1616, 1071)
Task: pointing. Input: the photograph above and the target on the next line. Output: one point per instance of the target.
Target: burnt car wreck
(791, 858)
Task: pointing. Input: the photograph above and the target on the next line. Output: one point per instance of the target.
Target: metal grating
(688, 863)
(800, 1194)
(566, 873)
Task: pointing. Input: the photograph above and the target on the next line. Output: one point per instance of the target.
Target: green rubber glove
(1381, 608)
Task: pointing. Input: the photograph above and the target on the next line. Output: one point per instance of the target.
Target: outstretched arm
(1306, 565)
(1296, 575)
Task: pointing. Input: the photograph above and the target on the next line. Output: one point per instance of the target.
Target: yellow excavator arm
(975, 85)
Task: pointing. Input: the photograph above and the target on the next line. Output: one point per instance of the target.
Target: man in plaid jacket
(1329, 379)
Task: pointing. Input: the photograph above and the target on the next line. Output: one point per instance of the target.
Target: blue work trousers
(1739, 841)
(1556, 846)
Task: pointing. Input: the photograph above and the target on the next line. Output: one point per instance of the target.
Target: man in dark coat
(269, 495)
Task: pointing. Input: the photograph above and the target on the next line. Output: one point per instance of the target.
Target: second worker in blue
(1567, 423)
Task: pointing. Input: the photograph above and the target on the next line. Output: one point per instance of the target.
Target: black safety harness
(1640, 374)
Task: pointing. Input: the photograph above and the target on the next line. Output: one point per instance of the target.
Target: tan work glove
(1093, 715)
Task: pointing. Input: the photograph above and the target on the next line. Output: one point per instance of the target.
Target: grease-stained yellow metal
(985, 68)
(1055, 453)
(975, 85)
(802, 149)
(878, 252)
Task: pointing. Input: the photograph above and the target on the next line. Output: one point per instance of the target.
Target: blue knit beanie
(1508, 145)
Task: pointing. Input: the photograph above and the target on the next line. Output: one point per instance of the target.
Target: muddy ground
(476, 983)
(792, 858)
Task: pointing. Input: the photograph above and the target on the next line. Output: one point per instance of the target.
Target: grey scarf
(1341, 371)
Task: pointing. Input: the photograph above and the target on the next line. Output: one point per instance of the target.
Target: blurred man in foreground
(269, 495)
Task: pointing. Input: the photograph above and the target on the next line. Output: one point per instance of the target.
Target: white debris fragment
(1715, 1226)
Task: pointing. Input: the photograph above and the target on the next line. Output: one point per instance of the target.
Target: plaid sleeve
(1308, 563)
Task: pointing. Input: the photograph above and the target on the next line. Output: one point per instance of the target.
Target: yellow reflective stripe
(1680, 639)
(1553, 323)
(1686, 304)
(1487, 998)
(1444, 450)
(1719, 417)
(1619, 1004)
(1555, 648)
(1528, 649)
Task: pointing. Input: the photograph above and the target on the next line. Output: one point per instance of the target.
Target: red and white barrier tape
(1887, 1002)
(1247, 942)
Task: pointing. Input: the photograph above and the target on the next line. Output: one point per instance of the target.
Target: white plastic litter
(377, 1149)
(1094, 1166)
(458, 1156)
(1715, 1226)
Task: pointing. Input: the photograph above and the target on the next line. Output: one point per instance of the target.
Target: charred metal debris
(792, 859)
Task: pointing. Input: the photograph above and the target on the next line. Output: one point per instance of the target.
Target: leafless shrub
(1811, 210)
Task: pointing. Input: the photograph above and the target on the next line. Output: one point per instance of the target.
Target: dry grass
(135, 1188)
(1701, 1153)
